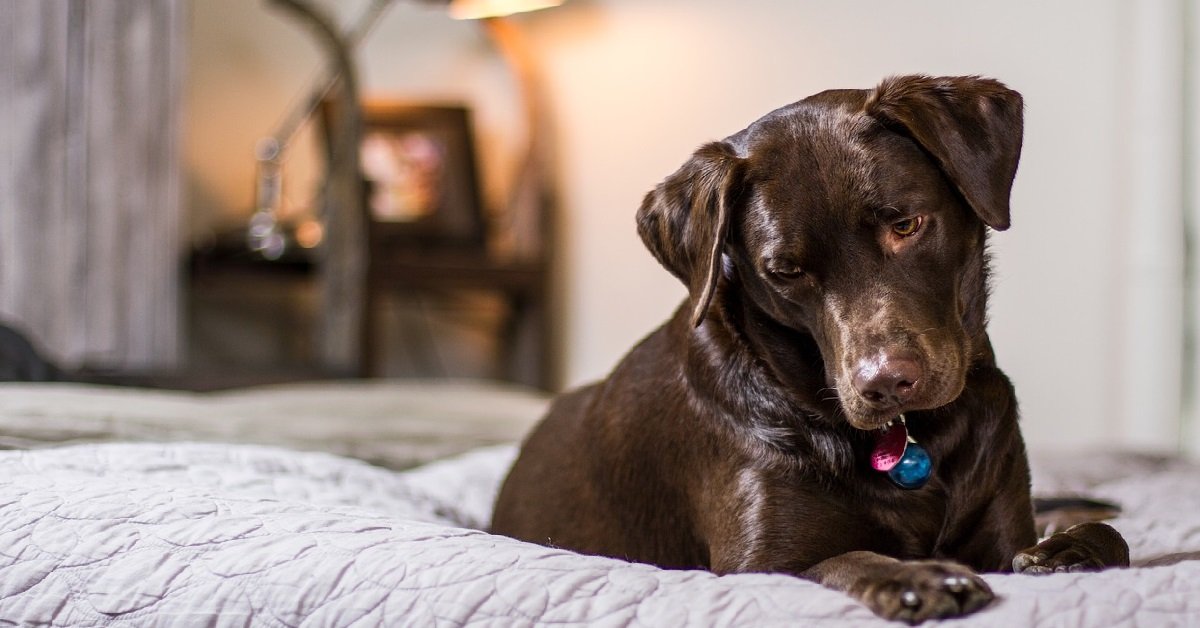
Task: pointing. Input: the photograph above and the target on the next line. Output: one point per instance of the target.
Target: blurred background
(159, 216)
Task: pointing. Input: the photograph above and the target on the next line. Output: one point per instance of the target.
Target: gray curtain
(90, 211)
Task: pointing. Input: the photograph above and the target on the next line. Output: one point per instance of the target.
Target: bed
(364, 504)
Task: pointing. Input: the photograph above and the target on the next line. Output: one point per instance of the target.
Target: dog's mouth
(875, 422)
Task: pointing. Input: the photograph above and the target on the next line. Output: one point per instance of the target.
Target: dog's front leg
(910, 591)
(1090, 546)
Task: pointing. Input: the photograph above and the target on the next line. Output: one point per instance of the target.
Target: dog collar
(906, 463)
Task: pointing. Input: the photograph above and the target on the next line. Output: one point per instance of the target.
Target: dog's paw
(1086, 547)
(916, 591)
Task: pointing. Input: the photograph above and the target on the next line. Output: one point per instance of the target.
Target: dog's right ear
(971, 126)
(685, 220)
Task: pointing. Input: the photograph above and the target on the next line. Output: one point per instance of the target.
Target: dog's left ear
(684, 221)
(971, 127)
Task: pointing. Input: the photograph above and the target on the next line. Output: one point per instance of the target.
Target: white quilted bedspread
(203, 534)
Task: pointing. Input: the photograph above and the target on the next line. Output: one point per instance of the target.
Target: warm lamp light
(342, 268)
(479, 9)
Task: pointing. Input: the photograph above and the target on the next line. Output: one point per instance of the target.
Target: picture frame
(420, 178)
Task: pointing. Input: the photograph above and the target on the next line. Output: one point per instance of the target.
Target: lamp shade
(478, 9)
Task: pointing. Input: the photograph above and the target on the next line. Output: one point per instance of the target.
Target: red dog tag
(890, 443)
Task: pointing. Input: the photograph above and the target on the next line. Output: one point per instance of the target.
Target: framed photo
(420, 177)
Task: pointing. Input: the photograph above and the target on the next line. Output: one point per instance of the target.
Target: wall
(1086, 307)
(640, 84)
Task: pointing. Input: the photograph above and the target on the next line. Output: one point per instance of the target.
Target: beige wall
(637, 84)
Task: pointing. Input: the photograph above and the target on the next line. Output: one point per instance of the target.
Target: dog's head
(856, 217)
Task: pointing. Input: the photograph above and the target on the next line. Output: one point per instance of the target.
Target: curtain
(1191, 201)
(90, 211)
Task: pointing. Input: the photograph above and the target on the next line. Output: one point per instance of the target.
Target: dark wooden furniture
(524, 354)
(275, 301)
(447, 252)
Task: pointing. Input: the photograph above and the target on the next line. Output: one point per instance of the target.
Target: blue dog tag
(914, 468)
(897, 454)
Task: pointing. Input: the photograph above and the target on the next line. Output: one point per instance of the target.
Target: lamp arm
(324, 85)
(343, 73)
(342, 271)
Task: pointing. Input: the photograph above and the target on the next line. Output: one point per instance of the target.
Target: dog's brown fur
(835, 256)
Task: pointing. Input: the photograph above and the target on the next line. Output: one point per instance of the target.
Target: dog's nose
(887, 379)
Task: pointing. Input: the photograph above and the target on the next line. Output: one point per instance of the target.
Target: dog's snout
(888, 379)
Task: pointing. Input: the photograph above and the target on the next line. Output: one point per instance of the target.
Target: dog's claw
(956, 584)
(1029, 561)
(910, 599)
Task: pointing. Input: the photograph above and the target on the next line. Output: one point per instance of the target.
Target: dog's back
(596, 468)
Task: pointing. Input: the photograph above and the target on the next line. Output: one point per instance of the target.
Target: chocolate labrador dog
(826, 403)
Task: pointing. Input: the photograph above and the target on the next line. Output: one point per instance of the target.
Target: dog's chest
(908, 523)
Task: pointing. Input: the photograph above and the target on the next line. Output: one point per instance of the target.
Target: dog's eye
(785, 271)
(907, 227)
